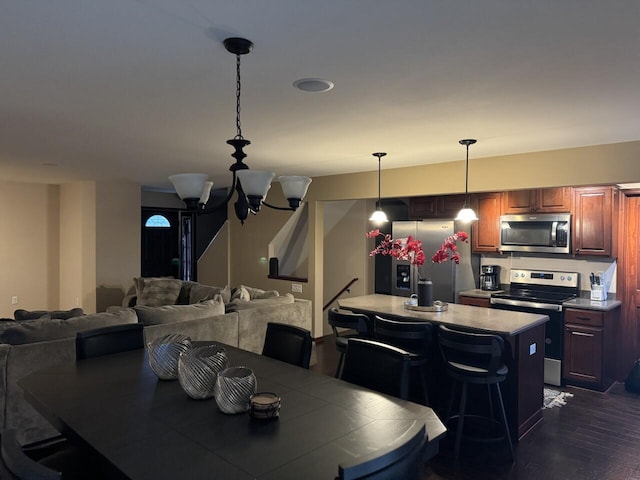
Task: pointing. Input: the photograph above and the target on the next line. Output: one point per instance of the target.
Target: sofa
(33, 344)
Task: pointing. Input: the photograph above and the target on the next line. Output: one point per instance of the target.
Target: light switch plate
(14, 300)
(296, 287)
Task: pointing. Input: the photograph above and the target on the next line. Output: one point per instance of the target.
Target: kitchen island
(523, 333)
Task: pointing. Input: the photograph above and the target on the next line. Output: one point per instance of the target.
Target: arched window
(157, 221)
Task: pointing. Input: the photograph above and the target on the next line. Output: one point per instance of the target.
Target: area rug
(555, 398)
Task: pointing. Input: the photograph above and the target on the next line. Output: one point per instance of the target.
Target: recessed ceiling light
(313, 85)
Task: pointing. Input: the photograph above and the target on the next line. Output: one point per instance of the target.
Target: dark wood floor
(595, 436)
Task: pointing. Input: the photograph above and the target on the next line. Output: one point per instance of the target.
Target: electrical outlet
(14, 300)
(296, 287)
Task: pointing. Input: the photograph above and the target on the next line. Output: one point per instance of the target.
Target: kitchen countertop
(488, 320)
(583, 301)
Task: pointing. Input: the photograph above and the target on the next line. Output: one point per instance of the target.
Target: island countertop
(488, 320)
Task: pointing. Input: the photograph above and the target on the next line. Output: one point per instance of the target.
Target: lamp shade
(294, 186)
(378, 217)
(466, 215)
(189, 185)
(255, 182)
(206, 191)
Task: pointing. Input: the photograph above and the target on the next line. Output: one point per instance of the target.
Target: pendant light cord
(466, 181)
(238, 89)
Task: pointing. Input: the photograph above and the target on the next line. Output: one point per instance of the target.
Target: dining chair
(108, 340)
(415, 338)
(403, 460)
(288, 343)
(17, 465)
(377, 366)
(358, 325)
(475, 358)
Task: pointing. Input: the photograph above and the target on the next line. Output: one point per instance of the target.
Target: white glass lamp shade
(466, 215)
(204, 198)
(294, 186)
(189, 185)
(378, 217)
(255, 183)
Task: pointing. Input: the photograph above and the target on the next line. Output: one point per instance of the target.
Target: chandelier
(251, 186)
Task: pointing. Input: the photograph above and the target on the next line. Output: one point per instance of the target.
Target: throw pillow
(268, 294)
(237, 305)
(21, 314)
(200, 293)
(159, 291)
(177, 313)
(240, 293)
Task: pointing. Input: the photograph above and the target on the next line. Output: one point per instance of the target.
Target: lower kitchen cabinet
(474, 301)
(589, 355)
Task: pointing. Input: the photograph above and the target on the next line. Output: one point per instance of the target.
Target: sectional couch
(32, 344)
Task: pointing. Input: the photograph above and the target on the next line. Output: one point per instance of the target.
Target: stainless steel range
(542, 292)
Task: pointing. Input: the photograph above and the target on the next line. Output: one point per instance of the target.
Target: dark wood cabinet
(593, 220)
(589, 355)
(441, 206)
(485, 236)
(541, 200)
(474, 301)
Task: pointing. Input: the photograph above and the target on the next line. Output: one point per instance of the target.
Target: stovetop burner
(542, 286)
(536, 296)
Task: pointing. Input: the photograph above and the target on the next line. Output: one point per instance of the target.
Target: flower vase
(425, 293)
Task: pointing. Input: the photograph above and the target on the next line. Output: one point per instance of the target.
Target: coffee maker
(490, 277)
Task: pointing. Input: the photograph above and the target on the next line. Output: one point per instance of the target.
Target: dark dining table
(146, 428)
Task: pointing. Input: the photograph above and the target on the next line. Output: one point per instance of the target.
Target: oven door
(553, 331)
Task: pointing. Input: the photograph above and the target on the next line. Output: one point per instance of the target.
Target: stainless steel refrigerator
(448, 277)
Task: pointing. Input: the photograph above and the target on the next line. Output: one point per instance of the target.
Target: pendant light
(467, 215)
(379, 217)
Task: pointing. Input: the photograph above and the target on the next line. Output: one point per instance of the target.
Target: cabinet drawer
(584, 317)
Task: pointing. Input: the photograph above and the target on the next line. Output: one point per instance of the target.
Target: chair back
(288, 343)
(404, 459)
(415, 337)
(108, 340)
(478, 350)
(378, 366)
(17, 465)
(353, 321)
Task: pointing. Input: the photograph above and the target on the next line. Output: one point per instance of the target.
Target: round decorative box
(233, 390)
(265, 405)
(164, 353)
(198, 370)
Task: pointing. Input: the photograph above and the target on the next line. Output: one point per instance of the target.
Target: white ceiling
(135, 90)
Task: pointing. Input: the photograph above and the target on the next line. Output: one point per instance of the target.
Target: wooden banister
(344, 289)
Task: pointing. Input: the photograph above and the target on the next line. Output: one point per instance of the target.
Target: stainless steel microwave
(536, 233)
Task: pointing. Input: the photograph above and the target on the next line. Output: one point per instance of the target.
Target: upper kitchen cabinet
(540, 200)
(593, 220)
(485, 236)
(440, 206)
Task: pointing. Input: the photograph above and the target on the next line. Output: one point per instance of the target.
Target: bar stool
(473, 358)
(414, 337)
(347, 320)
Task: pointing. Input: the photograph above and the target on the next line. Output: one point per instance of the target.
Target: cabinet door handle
(586, 319)
(580, 334)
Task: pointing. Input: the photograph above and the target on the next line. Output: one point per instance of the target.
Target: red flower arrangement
(411, 249)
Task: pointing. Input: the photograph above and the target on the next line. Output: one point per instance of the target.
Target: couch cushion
(236, 305)
(176, 313)
(43, 329)
(159, 291)
(35, 314)
(240, 293)
(185, 292)
(200, 293)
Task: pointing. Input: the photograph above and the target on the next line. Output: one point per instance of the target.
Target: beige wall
(28, 246)
(213, 265)
(78, 245)
(117, 241)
